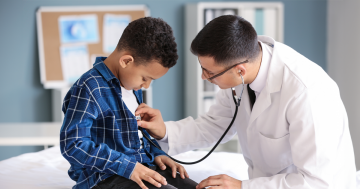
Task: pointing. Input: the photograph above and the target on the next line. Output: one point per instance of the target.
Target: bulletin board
(49, 41)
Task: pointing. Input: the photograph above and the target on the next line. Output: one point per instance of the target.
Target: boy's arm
(76, 143)
(156, 151)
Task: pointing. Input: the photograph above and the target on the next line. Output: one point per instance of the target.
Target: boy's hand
(143, 173)
(162, 161)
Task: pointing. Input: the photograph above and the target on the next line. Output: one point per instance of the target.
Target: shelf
(30, 134)
(209, 94)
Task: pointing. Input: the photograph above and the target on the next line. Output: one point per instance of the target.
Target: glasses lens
(206, 74)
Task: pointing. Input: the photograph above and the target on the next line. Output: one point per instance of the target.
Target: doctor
(292, 125)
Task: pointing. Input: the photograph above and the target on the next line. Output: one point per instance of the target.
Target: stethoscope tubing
(237, 104)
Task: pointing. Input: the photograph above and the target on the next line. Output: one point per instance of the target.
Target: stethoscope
(237, 104)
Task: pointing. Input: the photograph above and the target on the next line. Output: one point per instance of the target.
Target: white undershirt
(130, 101)
(260, 81)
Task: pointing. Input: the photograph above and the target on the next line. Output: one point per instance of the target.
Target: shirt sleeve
(165, 139)
(81, 111)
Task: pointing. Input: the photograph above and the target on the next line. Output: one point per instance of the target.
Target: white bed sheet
(48, 169)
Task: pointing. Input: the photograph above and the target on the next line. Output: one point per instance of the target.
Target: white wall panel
(343, 28)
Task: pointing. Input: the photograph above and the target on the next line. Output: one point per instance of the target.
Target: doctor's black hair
(149, 39)
(227, 39)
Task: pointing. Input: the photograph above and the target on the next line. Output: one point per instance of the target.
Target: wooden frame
(49, 39)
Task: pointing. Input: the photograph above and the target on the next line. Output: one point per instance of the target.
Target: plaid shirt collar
(100, 66)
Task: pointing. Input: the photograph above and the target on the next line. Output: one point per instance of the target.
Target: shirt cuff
(165, 139)
(129, 168)
(245, 184)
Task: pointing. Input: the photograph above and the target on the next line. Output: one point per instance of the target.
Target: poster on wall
(114, 26)
(74, 61)
(79, 28)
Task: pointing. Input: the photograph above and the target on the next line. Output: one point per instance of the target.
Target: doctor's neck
(252, 68)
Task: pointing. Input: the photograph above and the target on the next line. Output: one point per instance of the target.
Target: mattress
(47, 169)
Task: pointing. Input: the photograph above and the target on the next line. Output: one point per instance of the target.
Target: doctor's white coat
(296, 136)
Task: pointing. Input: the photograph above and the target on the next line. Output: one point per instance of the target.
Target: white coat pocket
(276, 152)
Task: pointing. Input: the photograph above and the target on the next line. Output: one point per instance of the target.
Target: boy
(100, 136)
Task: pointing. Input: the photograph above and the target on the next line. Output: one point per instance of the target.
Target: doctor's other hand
(151, 120)
(163, 161)
(141, 173)
(220, 182)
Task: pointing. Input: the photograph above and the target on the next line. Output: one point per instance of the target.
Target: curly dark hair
(149, 39)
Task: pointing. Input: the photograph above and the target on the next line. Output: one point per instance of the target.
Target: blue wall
(23, 99)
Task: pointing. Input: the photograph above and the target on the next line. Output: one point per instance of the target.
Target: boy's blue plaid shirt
(99, 135)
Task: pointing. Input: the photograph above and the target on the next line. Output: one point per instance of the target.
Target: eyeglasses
(209, 77)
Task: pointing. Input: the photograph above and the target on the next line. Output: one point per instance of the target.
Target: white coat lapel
(273, 82)
(263, 102)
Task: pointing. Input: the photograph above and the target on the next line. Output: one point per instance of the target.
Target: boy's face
(135, 77)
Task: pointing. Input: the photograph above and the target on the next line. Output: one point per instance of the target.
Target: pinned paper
(114, 26)
(74, 61)
(79, 28)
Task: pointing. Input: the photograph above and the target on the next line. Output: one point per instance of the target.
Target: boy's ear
(126, 60)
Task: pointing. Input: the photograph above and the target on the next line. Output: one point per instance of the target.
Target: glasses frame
(221, 73)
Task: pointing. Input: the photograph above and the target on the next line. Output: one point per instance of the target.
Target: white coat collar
(281, 55)
(274, 77)
(276, 70)
(260, 81)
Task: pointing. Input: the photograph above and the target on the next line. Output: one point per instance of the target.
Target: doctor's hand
(151, 120)
(163, 161)
(220, 182)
